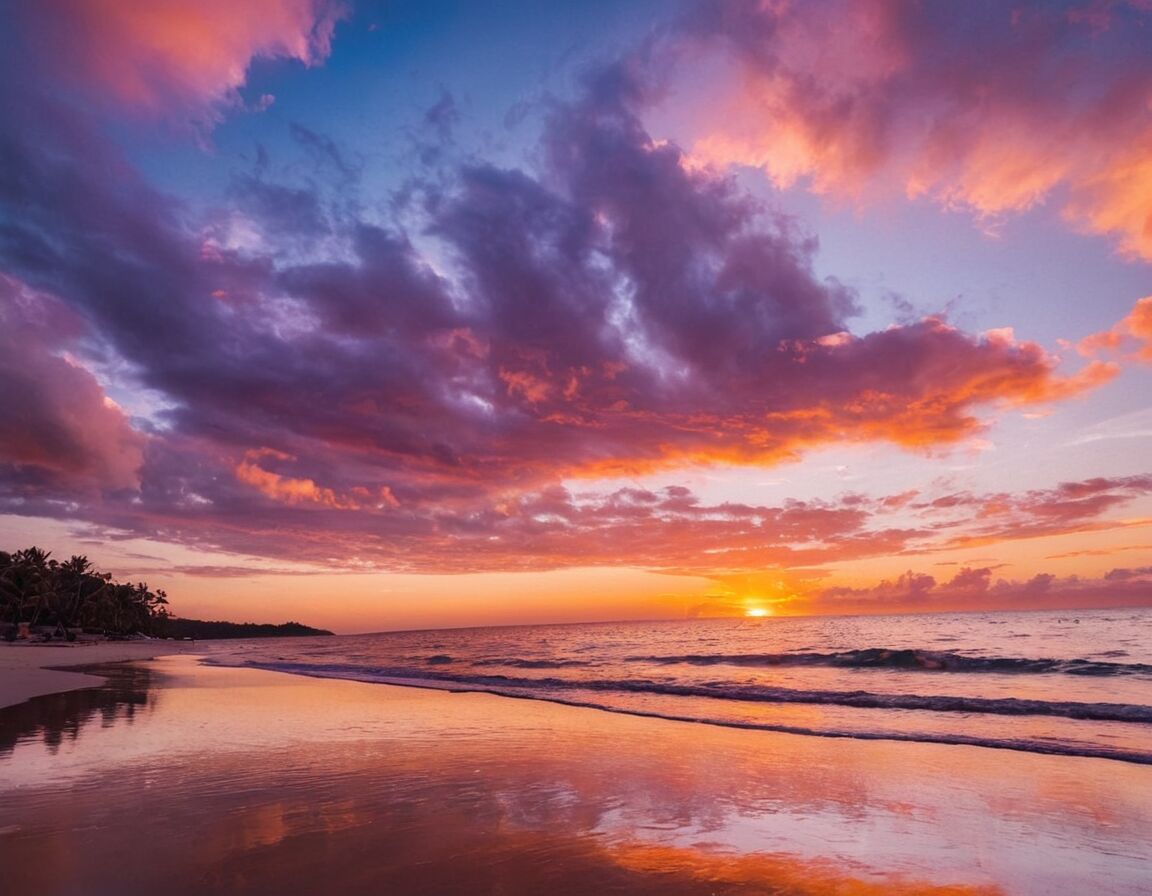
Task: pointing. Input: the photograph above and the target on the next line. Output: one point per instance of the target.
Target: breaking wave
(921, 660)
(597, 694)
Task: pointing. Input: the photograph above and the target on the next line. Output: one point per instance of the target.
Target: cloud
(1131, 338)
(60, 430)
(269, 507)
(169, 59)
(1100, 552)
(974, 589)
(1066, 508)
(286, 488)
(409, 396)
(1142, 573)
(993, 108)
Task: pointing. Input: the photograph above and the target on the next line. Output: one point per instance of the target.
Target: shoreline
(241, 774)
(35, 670)
(1035, 747)
(31, 670)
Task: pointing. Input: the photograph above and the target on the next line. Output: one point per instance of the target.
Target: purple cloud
(411, 393)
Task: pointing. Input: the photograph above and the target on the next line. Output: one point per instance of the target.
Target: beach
(30, 670)
(178, 777)
(577, 448)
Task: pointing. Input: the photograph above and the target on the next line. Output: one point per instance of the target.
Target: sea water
(1077, 683)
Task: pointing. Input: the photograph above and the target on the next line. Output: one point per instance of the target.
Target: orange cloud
(531, 388)
(290, 490)
(673, 531)
(1134, 333)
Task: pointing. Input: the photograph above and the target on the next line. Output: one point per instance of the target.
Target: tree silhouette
(38, 590)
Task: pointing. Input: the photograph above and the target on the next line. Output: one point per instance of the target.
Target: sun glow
(757, 611)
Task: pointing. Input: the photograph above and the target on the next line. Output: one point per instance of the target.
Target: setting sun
(757, 611)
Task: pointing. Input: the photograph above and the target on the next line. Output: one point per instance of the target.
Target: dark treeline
(65, 596)
(195, 628)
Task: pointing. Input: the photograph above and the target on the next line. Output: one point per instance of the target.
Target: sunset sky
(414, 313)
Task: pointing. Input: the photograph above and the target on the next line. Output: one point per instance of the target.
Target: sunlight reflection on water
(224, 780)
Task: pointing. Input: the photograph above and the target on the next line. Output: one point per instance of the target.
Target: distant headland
(200, 630)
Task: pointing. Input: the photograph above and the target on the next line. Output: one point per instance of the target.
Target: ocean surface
(1075, 683)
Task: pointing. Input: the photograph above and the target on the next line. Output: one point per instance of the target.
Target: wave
(1000, 706)
(534, 664)
(916, 660)
(553, 691)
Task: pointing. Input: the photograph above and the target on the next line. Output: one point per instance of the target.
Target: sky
(421, 313)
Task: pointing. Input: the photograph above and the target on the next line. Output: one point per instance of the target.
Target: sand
(25, 672)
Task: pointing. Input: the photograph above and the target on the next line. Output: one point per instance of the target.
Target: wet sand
(26, 669)
(180, 778)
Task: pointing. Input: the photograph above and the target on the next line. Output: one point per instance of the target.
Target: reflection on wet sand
(249, 782)
(54, 717)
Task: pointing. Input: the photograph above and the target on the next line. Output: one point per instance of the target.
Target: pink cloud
(999, 517)
(59, 430)
(168, 58)
(668, 529)
(994, 110)
(975, 589)
(615, 312)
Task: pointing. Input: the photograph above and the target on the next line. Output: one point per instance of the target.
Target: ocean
(242, 780)
(1075, 683)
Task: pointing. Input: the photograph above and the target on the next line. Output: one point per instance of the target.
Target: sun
(757, 611)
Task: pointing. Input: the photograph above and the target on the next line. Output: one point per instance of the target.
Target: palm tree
(76, 585)
(25, 583)
(34, 587)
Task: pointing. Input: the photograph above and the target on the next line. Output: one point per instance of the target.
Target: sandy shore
(25, 672)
